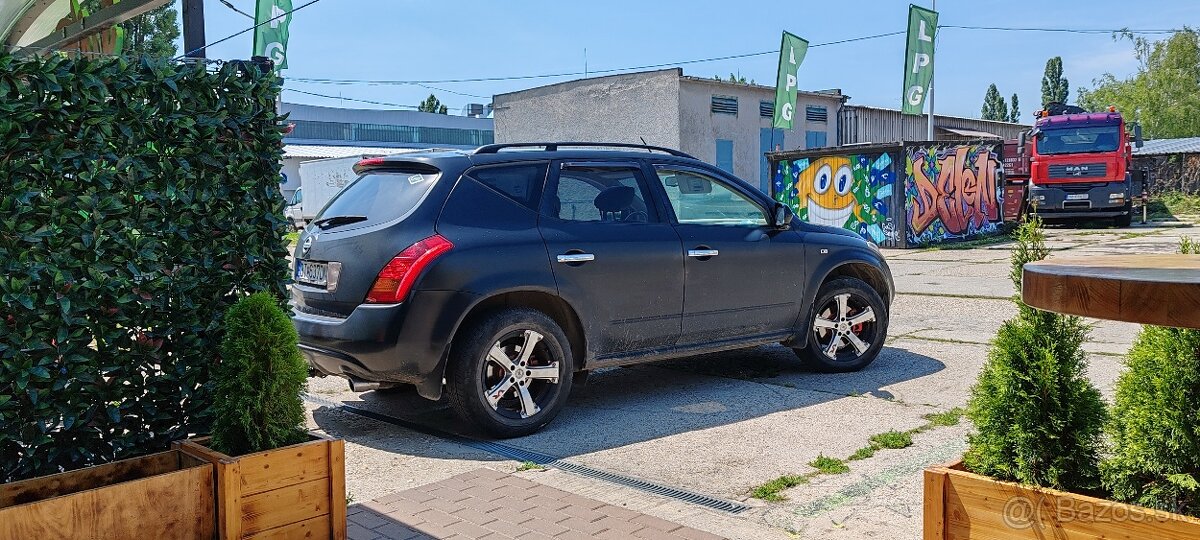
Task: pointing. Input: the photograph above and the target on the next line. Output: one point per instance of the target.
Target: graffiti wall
(853, 191)
(952, 191)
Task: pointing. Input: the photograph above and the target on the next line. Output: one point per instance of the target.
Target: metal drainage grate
(520, 454)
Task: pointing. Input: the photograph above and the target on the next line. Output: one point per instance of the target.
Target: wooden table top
(1158, 289)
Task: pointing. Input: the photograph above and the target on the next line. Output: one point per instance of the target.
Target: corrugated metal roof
(1186, 145)
(312, 151)
(970, 133)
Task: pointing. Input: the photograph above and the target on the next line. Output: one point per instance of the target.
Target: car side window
(599, 194)
(519, 182)
(699, 199)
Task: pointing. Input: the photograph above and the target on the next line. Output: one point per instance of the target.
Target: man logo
(1077, 170)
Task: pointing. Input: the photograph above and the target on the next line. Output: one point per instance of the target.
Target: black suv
(506, 273)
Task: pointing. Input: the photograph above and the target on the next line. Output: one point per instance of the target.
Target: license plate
(1077, 197)
(311, 273)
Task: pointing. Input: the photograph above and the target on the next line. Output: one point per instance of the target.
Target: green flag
(270, 39)
(791, 54)
(918, 60)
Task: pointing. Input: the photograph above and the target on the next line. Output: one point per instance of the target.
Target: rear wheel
(848, 325)
(510, 374)
(1126, 219)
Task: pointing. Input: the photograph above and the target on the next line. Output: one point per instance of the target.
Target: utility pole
(931, 68)
(193, 28)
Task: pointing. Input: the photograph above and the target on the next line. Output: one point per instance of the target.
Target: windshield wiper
(325, 223)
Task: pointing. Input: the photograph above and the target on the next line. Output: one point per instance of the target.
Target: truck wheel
(510, 374)
(848, 325)
(1125, 220)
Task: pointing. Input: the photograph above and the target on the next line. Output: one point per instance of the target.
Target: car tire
(502, 401)
(833, 327)
(1125, 220)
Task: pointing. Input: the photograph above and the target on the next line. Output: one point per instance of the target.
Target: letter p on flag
(791, 53)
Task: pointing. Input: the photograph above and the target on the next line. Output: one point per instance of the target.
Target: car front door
(616, 259)
(744, 278)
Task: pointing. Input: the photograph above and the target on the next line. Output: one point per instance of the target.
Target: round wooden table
(1162, 290)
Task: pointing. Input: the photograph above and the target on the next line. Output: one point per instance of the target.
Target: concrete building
(859, 124)
(726, 124)
(325, 132)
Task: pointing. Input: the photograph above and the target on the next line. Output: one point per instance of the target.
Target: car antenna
(644, 143)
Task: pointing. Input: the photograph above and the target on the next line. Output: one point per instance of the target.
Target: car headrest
(615, 199)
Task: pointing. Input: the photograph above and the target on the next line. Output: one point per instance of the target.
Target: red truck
(1077, 165)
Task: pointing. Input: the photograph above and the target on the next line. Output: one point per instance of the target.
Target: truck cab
(1080, 165)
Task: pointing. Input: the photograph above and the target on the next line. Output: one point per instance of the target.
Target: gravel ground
(722, 424)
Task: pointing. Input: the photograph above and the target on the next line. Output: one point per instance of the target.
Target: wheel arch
(869, 270)
(563, 314)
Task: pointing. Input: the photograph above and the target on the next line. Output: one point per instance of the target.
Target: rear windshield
(378, 196)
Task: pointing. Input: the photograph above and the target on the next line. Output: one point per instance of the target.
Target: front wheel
(1125, 219)
(510, 374)
(848, 324)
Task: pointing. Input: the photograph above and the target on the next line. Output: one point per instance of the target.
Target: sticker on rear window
(417, 178)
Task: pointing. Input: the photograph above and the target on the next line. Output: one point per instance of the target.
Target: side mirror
(1137, 135)
(1021, 140)
(783, 216)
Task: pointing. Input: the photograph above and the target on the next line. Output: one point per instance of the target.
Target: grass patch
(948, 418)
(771, 491)
(292, 237)
(998, 237)
(829, 465)
(1173, 204)
(862, 453)
(530, 466)
(892, 440)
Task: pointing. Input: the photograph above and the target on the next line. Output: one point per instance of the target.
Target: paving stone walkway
(495, 506)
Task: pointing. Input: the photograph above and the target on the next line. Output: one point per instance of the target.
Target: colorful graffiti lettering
(951, 191)
(849, 191)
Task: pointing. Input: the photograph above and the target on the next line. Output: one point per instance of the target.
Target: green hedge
(138, 201)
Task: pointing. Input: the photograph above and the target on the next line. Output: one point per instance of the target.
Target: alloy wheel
(845, 327)
(519, 375)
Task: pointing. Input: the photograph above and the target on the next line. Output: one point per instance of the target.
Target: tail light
(396, 279)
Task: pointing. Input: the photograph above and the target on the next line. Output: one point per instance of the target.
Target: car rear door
(615, 258)
(744, 278)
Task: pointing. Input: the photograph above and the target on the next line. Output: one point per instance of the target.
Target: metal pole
(193, 28)
(931, 68)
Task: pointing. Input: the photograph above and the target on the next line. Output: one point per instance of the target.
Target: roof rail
(554, 146)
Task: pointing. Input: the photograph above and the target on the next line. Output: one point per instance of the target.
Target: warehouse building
(724, 123)
(859, 124)
(1173, 164)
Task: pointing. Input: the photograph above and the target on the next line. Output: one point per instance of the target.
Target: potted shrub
(273, 478)
(1032, 470)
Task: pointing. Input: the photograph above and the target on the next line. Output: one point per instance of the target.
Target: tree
(1014, 114)
(994, 107)
(432, 105)
(739, 79)
(1164, 94)
(1038, 418)
(150, 34)
(1055, 87)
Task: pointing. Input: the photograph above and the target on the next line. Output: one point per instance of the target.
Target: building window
(724, 104)
(814, 139)
(725, 155)
(816, 113)
(388, 133)
(766, 109)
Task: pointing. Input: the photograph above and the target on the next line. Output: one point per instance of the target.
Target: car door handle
(702, 253)
(576, 258)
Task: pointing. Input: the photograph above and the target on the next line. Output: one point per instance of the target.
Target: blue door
(768, 139)
(725, 155)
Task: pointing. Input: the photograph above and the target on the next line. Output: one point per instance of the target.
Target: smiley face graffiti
(824, 190)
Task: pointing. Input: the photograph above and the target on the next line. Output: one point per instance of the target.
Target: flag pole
(931, 71)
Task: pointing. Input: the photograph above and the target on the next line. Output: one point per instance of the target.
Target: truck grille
(1079, 170)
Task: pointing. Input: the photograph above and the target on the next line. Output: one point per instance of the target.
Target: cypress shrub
(1038, 418)
(256, 399)
(1155, 426)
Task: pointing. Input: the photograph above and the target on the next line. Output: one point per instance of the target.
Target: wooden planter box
(961, 505)
(297, 491)
(163, 495)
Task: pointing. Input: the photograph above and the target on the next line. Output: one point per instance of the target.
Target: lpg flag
(918, 63)
(270, 38)
(791, 54)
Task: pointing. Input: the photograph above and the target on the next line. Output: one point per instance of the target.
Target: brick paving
(489, 504)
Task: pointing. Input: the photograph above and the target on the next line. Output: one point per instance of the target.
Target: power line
(1068, 30)
(234, 8)
(231, 36)
(384, 103)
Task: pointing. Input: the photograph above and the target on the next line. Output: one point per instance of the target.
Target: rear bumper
(399, 343)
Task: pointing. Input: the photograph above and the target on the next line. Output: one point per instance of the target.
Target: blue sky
(429, 40)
